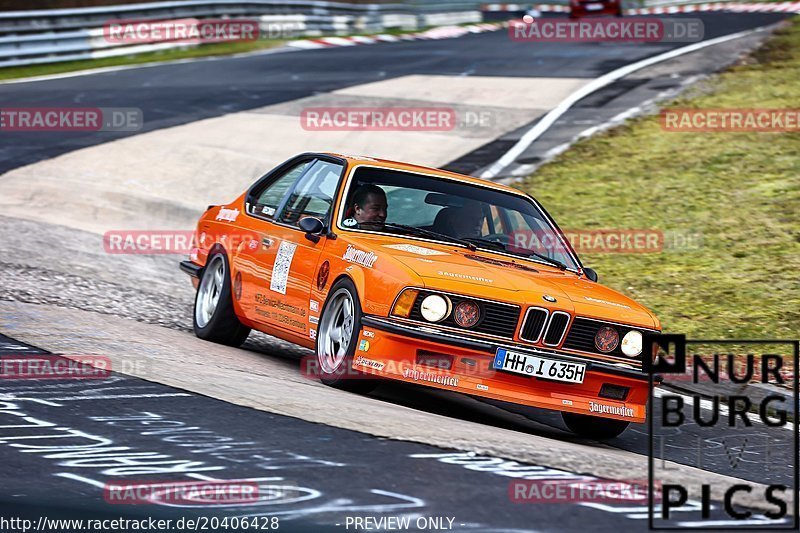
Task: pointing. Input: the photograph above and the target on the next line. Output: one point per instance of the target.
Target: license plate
(594, 7)
(540, 367)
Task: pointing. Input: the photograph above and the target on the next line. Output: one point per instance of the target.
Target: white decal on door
(280, 272)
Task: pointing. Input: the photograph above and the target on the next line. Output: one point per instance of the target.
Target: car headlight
(467, 314)
(435, 308)
(606, 339)
(632, 343)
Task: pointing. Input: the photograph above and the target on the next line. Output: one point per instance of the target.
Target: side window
(314, 193)
(268, 200)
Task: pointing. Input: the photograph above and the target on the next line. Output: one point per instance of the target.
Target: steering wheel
(502, 238)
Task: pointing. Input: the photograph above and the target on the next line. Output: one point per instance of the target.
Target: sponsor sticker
(363, 345)
(464, 276)
(430, 377)
(280, 272)
(606, 302)
(411, 248)
(313, 305)
(313, 319)
(360, 257)
(619, 410)
(227, 215)
(369, 363)
(481, 386)
(322, 275)
(312, 333)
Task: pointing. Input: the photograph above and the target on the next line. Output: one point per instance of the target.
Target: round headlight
(467, 314)
(435, 308)
(632, 343)
(606, 339)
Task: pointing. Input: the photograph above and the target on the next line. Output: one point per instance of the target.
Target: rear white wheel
(214, 318)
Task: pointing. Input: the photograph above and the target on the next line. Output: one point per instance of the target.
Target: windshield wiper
(527, 253)
(431, 234)
(554, 262)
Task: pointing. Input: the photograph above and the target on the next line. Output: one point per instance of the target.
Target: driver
(368, 208)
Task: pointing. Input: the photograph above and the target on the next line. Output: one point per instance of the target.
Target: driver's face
(373, 210)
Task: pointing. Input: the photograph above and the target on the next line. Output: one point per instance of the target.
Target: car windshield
(391, 201)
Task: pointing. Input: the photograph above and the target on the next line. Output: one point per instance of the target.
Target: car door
(297, 256)
(252, 266)
(283, 267)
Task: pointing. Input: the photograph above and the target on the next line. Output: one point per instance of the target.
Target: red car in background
(582, 8)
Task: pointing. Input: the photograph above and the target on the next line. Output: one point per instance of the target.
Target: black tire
(594, 427)
(341, 374)
(222, 326)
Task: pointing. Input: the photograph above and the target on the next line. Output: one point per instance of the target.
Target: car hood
(492, 276)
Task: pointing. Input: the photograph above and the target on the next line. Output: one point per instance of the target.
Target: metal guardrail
(46, 36)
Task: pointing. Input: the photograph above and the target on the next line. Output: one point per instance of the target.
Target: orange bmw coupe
(391, 270)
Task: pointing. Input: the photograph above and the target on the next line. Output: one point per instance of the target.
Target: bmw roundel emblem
(548, 298)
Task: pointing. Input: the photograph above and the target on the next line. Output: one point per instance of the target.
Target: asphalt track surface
(175, 94)
(65, 440)
(347, 473)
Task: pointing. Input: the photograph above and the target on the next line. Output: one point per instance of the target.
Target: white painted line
(118, 396)
(606, 79)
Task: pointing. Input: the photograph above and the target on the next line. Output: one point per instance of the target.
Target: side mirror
(591, 274)
(313, 227)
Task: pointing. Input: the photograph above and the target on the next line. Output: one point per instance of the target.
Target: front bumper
(405, 352)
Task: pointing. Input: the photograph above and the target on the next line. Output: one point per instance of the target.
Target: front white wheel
(337, 337)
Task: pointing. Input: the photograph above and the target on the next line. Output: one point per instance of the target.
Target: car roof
(408, 167)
